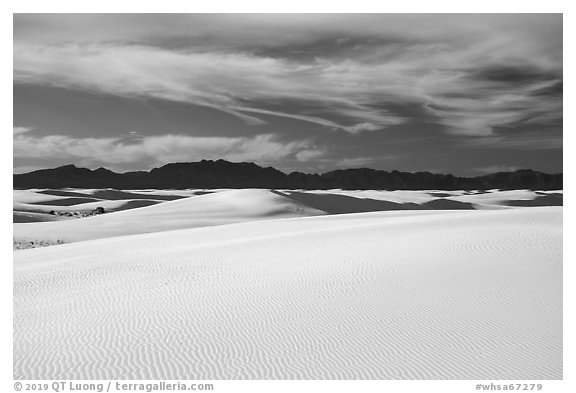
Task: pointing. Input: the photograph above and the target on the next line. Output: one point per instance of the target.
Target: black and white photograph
(288, 196)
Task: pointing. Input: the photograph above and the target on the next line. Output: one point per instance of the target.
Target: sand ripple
(386, 295)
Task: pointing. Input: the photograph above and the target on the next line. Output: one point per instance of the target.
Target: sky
(467, 94)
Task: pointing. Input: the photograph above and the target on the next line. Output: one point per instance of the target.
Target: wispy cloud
(357, 162)
(20, 130)
(310, 155)
(219, 81)
(497, 168)
(472, 73)
(325, 160)
(156, 149)
(517, 142)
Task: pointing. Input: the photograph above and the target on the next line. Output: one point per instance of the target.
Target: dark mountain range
(224, 174)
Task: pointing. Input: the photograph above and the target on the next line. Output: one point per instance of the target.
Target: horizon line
(286, 173)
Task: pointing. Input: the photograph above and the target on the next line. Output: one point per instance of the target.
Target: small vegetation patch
(21, 244)
(79, 214)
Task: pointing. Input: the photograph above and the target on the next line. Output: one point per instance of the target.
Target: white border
(245, 6)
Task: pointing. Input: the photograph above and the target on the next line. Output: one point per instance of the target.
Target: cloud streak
(518, 142)
(219, 81)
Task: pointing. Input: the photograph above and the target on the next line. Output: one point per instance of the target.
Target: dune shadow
(448, 204)
(20, 218)
(439, 194)
(135, 204)
(64, 193)
(342, 204)
(114, 195)
(542, 200)
(550, 193)
(66, 202)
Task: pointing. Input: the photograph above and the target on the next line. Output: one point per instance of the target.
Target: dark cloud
(514, 74)
(554, 89)
(335, 46)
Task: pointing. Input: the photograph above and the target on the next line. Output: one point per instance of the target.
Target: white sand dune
(406, 199)
(387, 295)
(181, 209)
(523, 198)
(33, 196)
(108, 205)
(112, 194)
(32, 216)
(70, 197)
(35, 205)
(219, 208)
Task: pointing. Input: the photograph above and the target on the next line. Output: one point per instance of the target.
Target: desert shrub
(22, 244)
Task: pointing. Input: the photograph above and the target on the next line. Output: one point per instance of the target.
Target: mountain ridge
(225, 174)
